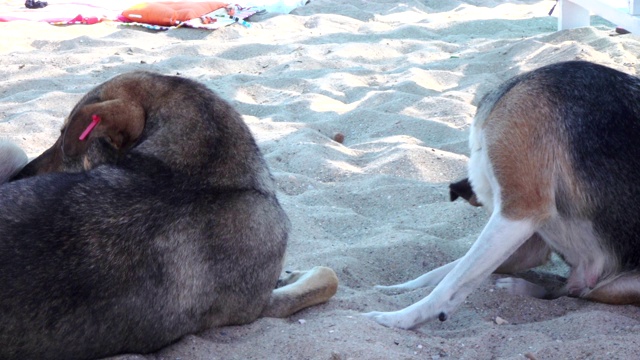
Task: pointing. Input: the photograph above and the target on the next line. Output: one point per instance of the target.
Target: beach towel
(214, 20)
(170, 13)
(201, 15)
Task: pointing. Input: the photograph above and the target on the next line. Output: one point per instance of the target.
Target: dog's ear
(120, 123)
(463, 189)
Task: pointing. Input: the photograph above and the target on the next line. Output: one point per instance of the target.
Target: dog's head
(97, 131)
(463, 189)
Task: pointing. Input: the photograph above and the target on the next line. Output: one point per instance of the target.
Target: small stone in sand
(500, 321)
(338, 137)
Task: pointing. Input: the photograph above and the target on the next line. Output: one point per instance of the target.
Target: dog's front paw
(289, 278)
(391, 319)
(517, 286)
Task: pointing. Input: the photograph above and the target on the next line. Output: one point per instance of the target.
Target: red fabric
(170, 13)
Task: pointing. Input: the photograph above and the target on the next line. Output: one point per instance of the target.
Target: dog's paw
(318, 274)
(517, 286)
(392, 319)
(383, 318)
(289, 278)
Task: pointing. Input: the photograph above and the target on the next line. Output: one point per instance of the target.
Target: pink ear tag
(95, 119)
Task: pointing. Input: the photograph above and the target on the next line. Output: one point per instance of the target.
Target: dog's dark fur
(164, 222)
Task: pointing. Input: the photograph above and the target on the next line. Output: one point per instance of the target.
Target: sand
(400, 81)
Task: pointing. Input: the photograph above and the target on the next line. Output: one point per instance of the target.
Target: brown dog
(153, 216)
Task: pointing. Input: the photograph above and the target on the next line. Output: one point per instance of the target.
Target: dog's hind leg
(499, 239)
(12, 160)
(301, 289)
(623, 289)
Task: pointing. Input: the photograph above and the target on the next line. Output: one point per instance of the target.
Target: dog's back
(180, 232)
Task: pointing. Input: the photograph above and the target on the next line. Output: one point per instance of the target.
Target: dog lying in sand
(153, 216)
(555, 158)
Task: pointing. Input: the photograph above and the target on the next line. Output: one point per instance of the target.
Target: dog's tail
(301, 289)
(12, 160)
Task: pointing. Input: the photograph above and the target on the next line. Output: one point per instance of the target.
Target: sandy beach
(400, 81)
